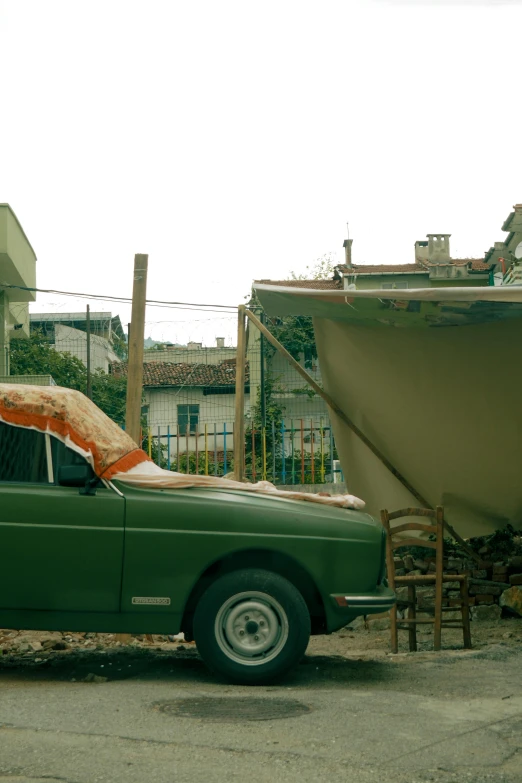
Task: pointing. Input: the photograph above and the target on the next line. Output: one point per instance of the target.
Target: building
(17, 283)
(190, 353)
(68, 334)
(506, 256)
(433, 267)
(191, 401)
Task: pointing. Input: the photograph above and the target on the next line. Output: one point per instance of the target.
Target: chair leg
(437, 641)
(393, 628)
(465, 614)
(412, 613)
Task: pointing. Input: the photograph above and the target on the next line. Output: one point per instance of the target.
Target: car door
(60, 550)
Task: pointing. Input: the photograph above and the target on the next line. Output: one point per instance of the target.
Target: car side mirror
(78, 476)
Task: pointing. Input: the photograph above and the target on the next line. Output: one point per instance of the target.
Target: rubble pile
(42, 644)
(495, 585)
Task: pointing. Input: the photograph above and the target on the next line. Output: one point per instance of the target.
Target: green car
(247, 576)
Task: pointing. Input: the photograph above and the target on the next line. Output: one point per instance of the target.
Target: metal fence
(299, 451)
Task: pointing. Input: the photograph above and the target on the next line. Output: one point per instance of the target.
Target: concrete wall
(29, 380)
(17, 257)
(18, 265)
(371, 282)
(218, 409)
(74, 341)
(435, 279)
(190, 356)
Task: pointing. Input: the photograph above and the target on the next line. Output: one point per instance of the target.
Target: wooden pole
(88, 391)
(136, 339)
(239, 418)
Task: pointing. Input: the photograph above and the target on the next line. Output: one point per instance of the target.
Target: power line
(152, 302)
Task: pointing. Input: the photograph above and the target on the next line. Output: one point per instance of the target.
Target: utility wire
(153, 302)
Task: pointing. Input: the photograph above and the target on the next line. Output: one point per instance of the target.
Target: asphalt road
(449, 717)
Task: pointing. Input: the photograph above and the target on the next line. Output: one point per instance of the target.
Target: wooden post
(135, 364)
(439, 568)
(88, 331)
(136, 339)
(239, 418)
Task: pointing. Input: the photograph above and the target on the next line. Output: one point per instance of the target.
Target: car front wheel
(251, 626)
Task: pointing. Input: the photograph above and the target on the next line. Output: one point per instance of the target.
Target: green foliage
(36, 356)
(506, 541)
(181, 467)
(120, 347)
(255, 439)
(296, 333)
(110, 394)
(321, 269)
(304, 391)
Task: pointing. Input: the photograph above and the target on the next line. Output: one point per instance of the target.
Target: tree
(36, 356)
(322, 269)
(296, 332)
(109, 392)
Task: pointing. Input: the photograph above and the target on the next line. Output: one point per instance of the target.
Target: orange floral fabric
(72, 417)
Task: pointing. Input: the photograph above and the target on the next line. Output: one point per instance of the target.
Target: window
(188, 416)
(63, 455)
(390, 286)
(23, 455)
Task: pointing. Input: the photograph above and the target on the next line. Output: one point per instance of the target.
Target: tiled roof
(183, 374)
(477, 265)
(358, 269)
(323, 285)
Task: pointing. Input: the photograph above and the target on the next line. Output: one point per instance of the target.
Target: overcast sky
(234, 140)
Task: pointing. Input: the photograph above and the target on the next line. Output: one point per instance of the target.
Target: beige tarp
(442, 403)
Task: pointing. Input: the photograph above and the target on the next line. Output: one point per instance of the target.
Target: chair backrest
(393, 543)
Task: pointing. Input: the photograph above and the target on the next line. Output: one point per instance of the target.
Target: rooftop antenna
(348, 230)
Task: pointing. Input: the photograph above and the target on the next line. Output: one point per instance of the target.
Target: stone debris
(511, 599)
(489, 582)
(486, 614)
(95, 678)
(45, 643)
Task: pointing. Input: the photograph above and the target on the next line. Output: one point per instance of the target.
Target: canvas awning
(432, 377)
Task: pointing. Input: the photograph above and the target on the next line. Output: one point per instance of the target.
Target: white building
(68, 334)
(193, 402)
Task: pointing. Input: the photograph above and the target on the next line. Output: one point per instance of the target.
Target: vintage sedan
(95, 537)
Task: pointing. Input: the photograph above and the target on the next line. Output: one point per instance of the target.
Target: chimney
(516, 223)
(347, 244)
(439, 248)
(220, 342)
(421, 251)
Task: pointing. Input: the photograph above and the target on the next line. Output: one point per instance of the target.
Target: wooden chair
(412, 582)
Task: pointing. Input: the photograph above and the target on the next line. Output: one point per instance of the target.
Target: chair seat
(445, 623)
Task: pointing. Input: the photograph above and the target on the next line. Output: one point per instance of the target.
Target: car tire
(251, 626)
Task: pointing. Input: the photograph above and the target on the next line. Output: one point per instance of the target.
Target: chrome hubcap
(251, 628)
